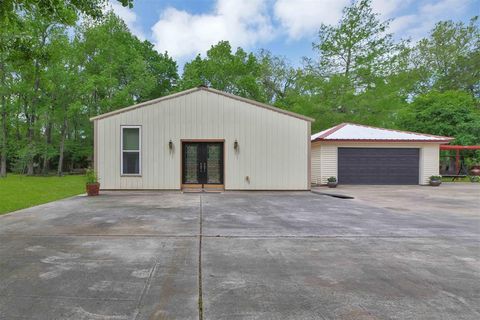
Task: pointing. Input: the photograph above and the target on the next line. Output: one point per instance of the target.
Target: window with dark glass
(131, 146)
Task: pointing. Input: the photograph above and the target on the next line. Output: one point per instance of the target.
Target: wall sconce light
(235, 145)
(170, 145)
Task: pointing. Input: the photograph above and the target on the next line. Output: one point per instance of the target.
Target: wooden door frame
(199, 186)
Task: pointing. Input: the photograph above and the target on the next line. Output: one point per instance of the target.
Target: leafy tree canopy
(235, 72)
(63, 11)
(450, 113)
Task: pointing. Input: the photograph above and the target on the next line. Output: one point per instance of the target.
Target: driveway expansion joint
(200, 293)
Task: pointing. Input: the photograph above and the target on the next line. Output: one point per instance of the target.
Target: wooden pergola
(457, 150)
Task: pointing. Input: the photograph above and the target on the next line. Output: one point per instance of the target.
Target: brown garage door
(378, 165)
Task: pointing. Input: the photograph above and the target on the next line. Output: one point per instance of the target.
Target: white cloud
(401, 23)
(389, 8)
(303, 18)
(183, 34)
(417, 24)
(129, 17)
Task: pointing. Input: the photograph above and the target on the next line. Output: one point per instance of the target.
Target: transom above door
(202, 163)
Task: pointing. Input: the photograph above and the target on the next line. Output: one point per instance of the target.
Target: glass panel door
(191, 166)
(214, 163)
(202, 163)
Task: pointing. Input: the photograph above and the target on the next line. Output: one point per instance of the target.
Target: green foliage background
(56, 72)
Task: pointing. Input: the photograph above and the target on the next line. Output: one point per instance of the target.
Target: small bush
(332, 179)
(474, 178)
(91, 176)
(436, 178)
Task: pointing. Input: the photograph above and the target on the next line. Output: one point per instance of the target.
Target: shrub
(332, 179)
(91, 176)
(436, 178)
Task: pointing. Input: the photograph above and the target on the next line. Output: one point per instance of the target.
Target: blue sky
(285, 27)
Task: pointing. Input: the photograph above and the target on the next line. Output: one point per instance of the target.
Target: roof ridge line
(332, 130)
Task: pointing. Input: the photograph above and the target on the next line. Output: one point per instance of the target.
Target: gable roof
(210, 90)
(358, 132)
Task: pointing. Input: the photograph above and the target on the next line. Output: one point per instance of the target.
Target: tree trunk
(30, 136)
(36, 90)
(3, 154)
(348, 62)
(30, 168)
(48, 142)
(62, 146)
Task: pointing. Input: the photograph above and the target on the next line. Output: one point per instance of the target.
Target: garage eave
(351, 132)
(384, 140)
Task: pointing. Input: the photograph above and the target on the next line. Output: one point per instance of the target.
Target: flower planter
(475, 171)
(435, 183)
(93, 189)
(332, 184)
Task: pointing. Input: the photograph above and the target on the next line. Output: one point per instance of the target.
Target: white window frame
(139, 151)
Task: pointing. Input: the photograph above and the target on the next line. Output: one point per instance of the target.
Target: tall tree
(277, 76)
(5, 93)
(449, 59)
(350, 79)
(358, 47)
(235, 72)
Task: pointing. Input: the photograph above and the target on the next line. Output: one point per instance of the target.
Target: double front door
(202, 163)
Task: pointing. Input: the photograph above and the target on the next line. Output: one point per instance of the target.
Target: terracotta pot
(475, 171)
(93, 189)
(435, 183)
(332, 184)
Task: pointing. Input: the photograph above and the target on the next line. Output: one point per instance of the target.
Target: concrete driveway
(168, 255)
(462, 198)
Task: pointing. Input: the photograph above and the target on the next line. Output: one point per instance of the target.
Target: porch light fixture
(170, 145)
(235, 145)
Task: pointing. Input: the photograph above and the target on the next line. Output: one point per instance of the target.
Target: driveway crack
(145, 290)
(200, 235)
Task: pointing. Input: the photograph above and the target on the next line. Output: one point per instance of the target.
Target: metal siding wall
(273, 146)
(316, 164)
(328, 160)
(429, 162)
(429, 157)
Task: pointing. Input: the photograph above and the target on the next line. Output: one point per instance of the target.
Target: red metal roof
(361, 133)
(456, 147)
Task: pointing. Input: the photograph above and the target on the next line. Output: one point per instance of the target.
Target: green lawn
(19, 192)
(450, 179)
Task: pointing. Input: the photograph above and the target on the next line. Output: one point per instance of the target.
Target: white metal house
(358, 154)
(202, 138)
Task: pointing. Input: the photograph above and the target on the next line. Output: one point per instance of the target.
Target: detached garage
(358, 154)
(202, 139)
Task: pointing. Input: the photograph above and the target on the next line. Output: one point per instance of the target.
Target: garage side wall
(326, 153)
(316, 164)
(429, 162)
(328, 160)
(272, 153)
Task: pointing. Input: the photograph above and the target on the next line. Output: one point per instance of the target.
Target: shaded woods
(59, 66)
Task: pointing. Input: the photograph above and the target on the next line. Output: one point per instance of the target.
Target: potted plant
(92, 185)
(473, 164)
(332, 182)
(435, 181)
